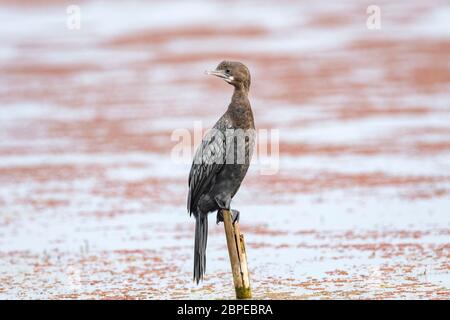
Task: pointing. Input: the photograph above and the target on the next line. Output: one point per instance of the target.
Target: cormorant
(222, 160)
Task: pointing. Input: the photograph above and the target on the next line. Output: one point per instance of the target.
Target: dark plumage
(222, 160)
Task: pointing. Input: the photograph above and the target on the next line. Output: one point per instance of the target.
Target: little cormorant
(222, 160)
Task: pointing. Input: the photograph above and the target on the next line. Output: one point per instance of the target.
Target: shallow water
(91, 205)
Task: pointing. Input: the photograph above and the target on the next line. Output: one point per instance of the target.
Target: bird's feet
(234, 216)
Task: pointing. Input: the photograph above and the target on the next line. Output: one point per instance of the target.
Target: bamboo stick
(238, 257)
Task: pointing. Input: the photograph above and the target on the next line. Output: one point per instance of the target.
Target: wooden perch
(238, 257)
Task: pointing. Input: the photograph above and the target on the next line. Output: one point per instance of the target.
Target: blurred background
(92, 206)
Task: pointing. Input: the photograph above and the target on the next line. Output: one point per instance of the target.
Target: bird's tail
(201, 237)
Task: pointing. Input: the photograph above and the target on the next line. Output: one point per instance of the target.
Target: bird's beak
(220, 74)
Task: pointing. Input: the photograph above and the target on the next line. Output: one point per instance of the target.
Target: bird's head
(233, 72)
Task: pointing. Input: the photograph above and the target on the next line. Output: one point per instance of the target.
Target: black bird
(222, 160)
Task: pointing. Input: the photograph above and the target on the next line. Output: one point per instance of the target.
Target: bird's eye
(227, 71)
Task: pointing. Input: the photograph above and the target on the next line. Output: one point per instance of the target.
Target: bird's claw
(235, 215)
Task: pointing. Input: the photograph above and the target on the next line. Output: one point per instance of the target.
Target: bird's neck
(240, 110)
(240, 96)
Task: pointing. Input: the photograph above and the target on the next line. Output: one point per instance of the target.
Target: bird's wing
(209, 159)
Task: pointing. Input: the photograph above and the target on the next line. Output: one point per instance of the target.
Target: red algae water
(93, 207)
